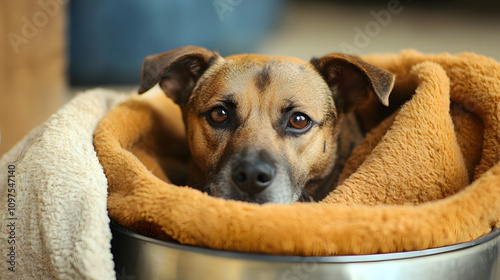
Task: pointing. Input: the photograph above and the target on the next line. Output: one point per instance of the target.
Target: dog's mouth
(252, 198)
(280, 191)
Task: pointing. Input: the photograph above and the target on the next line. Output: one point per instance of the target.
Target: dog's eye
(299, 121)
(218, 115)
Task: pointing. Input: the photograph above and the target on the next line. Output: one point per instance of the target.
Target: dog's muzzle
(254, 176)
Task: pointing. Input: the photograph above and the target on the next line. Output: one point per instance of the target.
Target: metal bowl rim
(311, 259)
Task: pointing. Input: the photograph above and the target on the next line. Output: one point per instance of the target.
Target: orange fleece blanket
(427, 175)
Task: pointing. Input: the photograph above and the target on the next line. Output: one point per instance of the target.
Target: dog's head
(262, 129)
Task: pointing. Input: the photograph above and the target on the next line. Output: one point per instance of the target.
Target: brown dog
(266, 129)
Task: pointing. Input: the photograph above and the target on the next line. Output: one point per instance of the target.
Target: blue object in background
(109, 39)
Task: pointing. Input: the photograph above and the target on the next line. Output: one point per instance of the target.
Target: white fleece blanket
(53, 217)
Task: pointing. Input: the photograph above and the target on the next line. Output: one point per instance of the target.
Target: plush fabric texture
(426, 175)
(56, 224)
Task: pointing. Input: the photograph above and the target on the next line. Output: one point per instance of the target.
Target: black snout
(253, 175)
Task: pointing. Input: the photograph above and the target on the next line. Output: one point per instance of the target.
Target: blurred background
(52, 49)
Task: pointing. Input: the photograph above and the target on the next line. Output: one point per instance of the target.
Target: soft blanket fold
(58, 227)
(426, 176)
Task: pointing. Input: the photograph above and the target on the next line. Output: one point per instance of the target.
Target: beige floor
(311, 28)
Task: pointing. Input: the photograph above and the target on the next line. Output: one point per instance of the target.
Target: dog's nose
(253, 175)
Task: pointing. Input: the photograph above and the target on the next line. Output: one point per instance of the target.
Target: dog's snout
(253, 175)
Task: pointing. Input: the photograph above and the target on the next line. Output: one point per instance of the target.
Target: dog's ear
(177, 71)
(351, 79)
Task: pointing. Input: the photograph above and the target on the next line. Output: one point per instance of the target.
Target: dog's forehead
(262, 60)
(259, 70)
(258, 78)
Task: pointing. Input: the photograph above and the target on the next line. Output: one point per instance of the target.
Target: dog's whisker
(202, 186)
(207, 190)
(305, 197)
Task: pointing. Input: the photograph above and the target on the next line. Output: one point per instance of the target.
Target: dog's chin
(270, 195)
